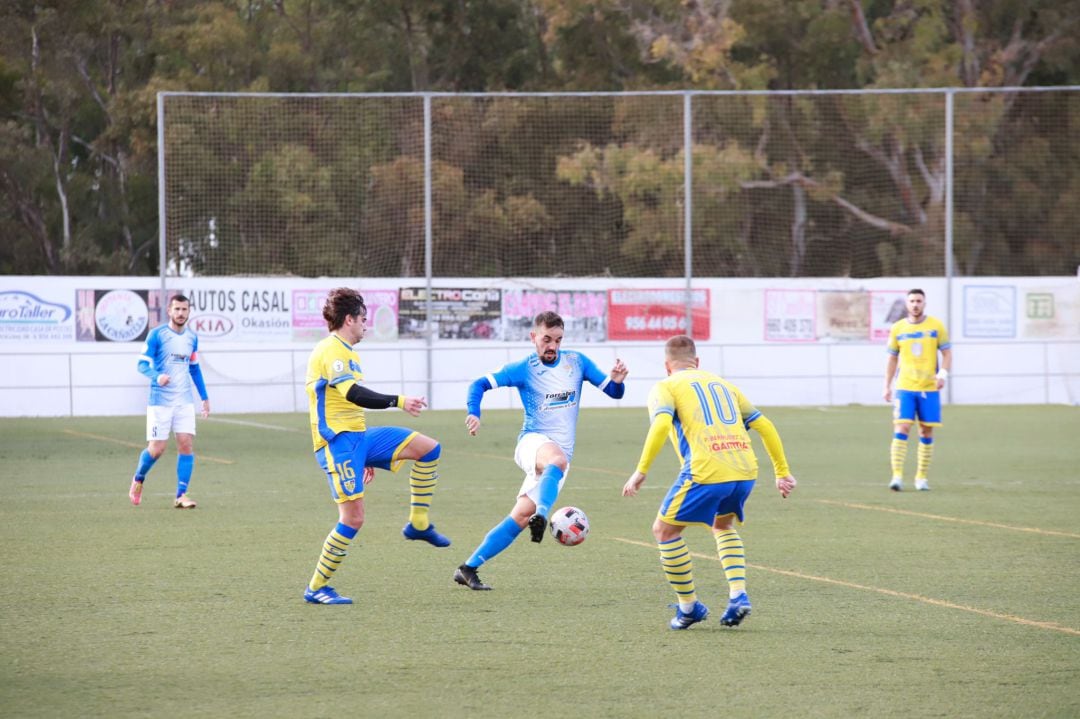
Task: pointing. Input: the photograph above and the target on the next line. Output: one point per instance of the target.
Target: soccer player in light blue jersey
(549, 383)
(170, 360)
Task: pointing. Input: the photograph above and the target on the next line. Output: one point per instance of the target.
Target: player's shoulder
(330, 345)
(574, 357)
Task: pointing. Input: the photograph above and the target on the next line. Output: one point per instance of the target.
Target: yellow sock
(422, 480)
(729, 546)
(926, 453)
(333, 553)
(898, 453)
(679, 569)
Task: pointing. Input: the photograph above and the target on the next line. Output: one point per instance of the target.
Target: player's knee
(663, 532)
(433, 453)
(349, 519)
(556, 461)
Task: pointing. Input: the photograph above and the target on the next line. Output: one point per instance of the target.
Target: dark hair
(917, 291)
(179, 298)
(342, 302)
(548, 319)
(680, 347)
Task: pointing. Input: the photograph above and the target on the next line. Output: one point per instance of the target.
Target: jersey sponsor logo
(727, 443)
(555, 400)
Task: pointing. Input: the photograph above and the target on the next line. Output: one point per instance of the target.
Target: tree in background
(789, 186)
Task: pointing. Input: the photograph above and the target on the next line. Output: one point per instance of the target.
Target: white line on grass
(888, 592)
(102, 438)
(246, 423)
(924, 515)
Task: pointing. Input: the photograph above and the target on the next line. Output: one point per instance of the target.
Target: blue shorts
(345, 457)
(688, 502)
(909, 405)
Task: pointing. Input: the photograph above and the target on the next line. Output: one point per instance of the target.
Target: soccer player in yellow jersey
(348, 451)
(914, 343)
(707, 419)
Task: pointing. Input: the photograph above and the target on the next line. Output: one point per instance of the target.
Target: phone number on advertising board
(654, 322)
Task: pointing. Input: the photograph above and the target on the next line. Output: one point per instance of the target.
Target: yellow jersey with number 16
(333, 368)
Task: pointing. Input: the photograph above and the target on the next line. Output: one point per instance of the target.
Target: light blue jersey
(550, 393)
(176, 354)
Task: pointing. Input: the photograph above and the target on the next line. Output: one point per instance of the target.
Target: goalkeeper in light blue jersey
(549, 383)
(170, 360)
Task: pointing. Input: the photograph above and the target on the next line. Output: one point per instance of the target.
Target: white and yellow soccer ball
(569, 526)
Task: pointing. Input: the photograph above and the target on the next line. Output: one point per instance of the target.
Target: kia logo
(211, 325)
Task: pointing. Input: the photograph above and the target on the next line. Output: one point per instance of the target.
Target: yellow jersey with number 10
(710, 418)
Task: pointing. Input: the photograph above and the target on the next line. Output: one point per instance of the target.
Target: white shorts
(525, 456)
(162, 420)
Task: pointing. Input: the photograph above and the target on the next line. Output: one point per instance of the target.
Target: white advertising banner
(95, 313)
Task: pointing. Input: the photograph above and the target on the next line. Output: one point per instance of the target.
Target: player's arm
(610, 384)
(784, 481)
(146, 363)
(890, 373)
(946, 367)
(505, 377)
(200, 385)
(654, 441)
(195, 370)
(361, 396)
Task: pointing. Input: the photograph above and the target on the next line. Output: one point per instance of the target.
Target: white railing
(85, 383)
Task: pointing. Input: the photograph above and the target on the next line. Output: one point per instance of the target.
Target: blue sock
(549, 489)
(345, 530)
(499, 538)
(146, 461)
(185, 463)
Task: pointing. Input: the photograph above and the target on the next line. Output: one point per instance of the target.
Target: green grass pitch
(958, 602)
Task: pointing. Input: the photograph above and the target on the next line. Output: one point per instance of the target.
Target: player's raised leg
(423, 478)
(542, 484)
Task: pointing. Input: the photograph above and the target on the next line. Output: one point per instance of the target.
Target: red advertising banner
(656, 314)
